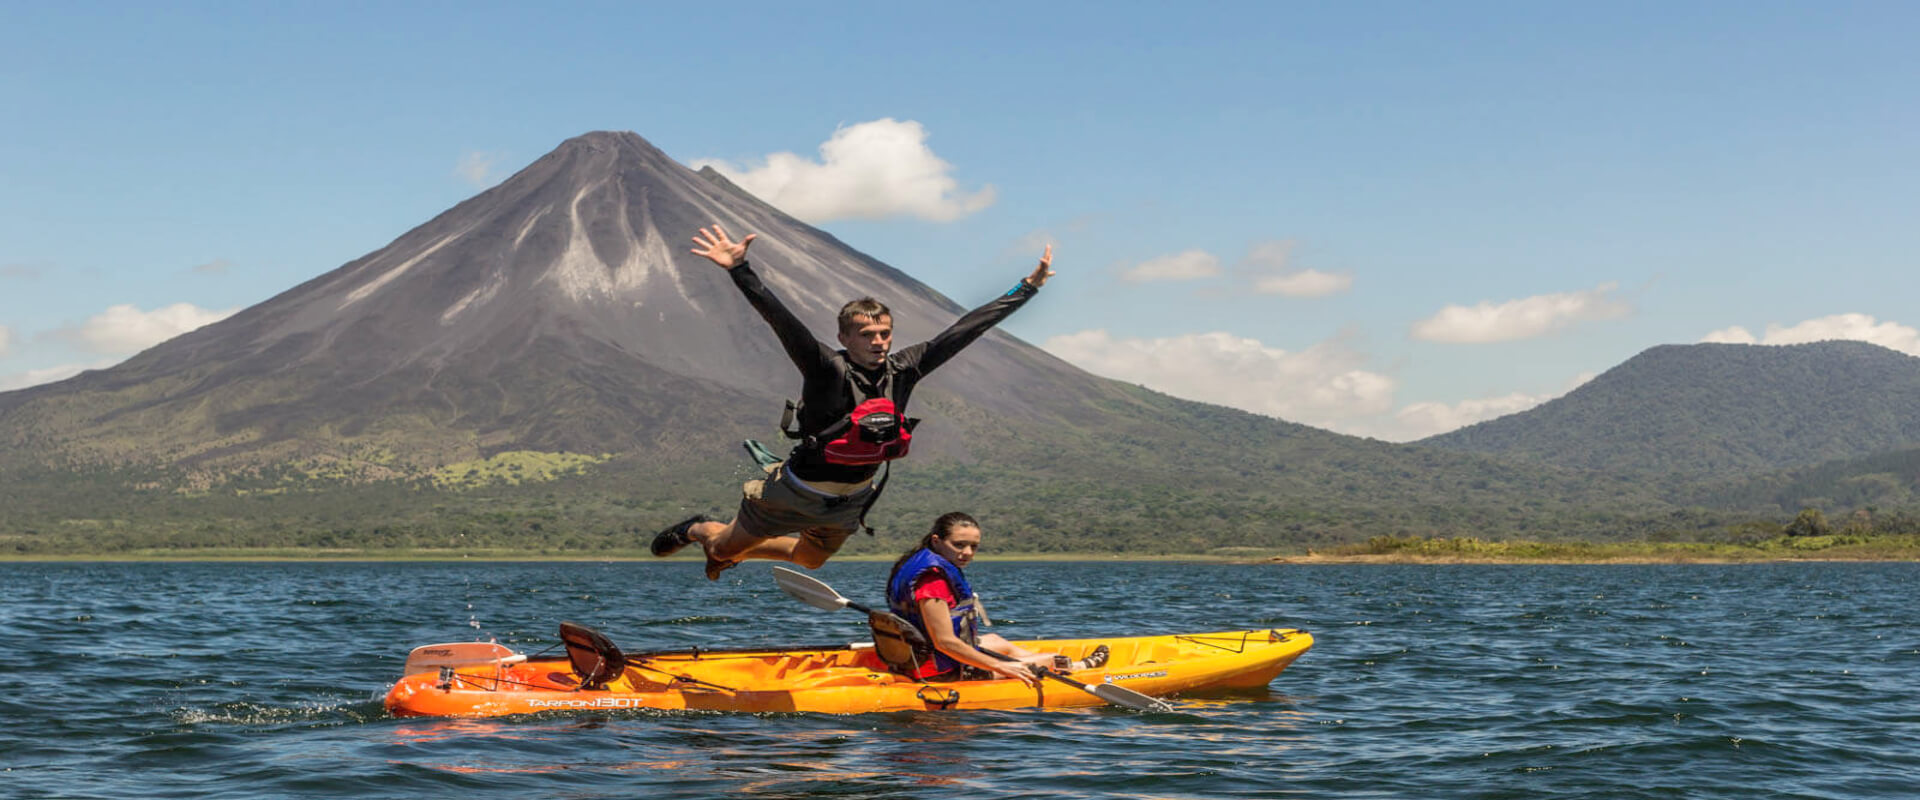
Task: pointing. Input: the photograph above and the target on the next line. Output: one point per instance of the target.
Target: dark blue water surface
(1685, 681)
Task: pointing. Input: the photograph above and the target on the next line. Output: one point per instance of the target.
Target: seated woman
(929, 591)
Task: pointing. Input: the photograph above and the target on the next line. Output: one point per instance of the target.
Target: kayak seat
(594, 657)
(902, 647)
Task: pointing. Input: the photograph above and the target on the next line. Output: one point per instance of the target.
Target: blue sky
(1386, 219)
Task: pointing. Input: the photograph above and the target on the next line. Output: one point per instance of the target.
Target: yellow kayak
(484, 680)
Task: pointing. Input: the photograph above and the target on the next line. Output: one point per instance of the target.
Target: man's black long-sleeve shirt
(827, 375)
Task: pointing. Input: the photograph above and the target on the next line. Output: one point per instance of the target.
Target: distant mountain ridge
(1717, 410)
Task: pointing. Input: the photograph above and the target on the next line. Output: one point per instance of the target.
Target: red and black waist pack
(873, 433)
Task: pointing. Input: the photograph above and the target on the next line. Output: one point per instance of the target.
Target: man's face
(868, 344)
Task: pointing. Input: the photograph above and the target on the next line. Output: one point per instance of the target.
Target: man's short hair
(864, 307)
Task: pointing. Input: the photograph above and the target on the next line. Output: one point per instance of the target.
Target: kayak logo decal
(598, 702)
(1158, 673)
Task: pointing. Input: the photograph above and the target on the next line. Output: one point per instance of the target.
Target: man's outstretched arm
(805, 351)
(930, 354)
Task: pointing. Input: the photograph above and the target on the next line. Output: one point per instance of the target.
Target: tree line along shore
(1379, 550)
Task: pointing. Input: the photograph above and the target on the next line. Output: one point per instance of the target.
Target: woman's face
(959, 545)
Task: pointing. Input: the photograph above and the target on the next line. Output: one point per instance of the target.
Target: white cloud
(1322, 385)
(35, 377)
(1420, 420)
(476, 167)
(6, 339)
(1416, 421)
(1851, 327)
(217, 266)
(1326, 385)
(1187, 266)
(1733, 335)
(1305, 283)
(124, 329)
(1525, 318)
(1273, 255)
(1270, 262)
(868, 170)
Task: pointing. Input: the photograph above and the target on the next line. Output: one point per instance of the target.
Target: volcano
(557, 311)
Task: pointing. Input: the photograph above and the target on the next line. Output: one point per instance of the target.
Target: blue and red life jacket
(962, 616)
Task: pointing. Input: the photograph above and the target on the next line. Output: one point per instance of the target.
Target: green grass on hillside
(512, 468)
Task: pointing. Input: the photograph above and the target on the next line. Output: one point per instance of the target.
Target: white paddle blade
(430, 657)
(1122, 696)
(1117, 695)
(807, 590)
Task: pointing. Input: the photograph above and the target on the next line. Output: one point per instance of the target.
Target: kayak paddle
(815, 593)
(430, 657)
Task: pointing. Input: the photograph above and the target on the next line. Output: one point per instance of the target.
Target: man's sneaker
(669, 541)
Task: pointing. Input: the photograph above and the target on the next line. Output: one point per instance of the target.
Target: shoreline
(344, 556)
(366, 556)
(1314, 560)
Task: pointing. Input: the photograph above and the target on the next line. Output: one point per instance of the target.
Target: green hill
(1880, 481)
(1711, 411)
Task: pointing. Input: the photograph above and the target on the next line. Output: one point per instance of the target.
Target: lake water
(1675, 681)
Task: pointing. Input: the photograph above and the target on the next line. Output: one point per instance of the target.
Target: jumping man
(852, 419)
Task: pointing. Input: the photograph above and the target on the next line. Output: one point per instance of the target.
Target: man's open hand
(716, 247)
(1040, 273)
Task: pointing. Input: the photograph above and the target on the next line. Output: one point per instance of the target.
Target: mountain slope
(1887, 480)
(1712, 410)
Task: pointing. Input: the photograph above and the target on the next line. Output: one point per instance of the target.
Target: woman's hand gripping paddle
(813, 592)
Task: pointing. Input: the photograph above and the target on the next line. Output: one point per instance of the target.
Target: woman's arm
(993, 642)
(949, 644)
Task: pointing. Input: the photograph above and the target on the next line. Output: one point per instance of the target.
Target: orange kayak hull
(843, 680)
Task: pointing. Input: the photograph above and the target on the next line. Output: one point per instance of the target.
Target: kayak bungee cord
(1204, 640)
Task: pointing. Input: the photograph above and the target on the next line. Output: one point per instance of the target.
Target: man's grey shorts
(775, 507)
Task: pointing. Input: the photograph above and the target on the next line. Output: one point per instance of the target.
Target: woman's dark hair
(942, 528)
